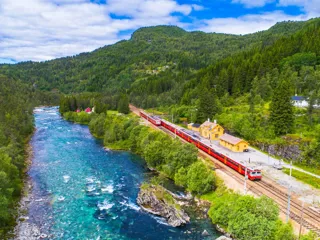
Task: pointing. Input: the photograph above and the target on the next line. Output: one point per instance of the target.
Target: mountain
(162, 63)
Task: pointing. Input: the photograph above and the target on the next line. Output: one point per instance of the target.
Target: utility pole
(245, 180)
(289, 194)
(301, 218)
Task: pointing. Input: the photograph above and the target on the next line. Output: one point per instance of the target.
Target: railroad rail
(311, 219)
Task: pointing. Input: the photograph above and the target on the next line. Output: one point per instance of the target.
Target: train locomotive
(252, 173)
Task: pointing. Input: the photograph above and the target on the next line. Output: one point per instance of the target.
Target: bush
(246, 217)
(284, 231)
(200, 178)
(96, 125)
(81, 117)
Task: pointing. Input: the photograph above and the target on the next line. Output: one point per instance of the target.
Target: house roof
(297, 98)
(211, 125)
(196, 125)
(231, 139)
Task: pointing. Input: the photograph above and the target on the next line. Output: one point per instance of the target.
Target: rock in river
(156, 200)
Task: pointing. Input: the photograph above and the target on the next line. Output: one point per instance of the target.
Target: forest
(177, 161)
(244, 81)
(17, 100)
(192, 76)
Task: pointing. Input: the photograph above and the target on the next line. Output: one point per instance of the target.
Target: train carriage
(253, 174)
(153, 119)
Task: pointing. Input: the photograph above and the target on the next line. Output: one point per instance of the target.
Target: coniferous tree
(208, 105)
(281, 115)
(100, 107)
(64, 104)
(123, 105)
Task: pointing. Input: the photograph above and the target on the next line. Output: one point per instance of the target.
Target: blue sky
(40, 30)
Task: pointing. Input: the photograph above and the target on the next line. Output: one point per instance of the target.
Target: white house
(302, 102)
(299, 101)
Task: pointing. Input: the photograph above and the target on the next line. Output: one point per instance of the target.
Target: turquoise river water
(82, 191)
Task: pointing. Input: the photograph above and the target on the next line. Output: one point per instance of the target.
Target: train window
(253, 173)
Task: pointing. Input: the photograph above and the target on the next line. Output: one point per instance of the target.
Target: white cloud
(311, 7)
(247, 23)
(197, 7)
(45, 29)
(146, 8)
(253, 3)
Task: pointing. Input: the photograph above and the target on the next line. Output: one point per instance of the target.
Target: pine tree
(281, 115)
(64, 104)
(123, 105)
(208, 105)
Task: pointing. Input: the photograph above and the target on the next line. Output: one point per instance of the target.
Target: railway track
(281, 199)
(310, 220)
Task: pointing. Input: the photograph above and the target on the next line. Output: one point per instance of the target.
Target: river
(82, 191)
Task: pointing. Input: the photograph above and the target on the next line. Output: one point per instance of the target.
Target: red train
(253, 174)
(153, 119)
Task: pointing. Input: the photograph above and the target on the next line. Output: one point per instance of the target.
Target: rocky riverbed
(25, 230)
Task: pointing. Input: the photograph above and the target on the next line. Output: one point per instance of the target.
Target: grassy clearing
(120, 145)
(315, 170)
(154, 111)
(111, 112)
(303, 177)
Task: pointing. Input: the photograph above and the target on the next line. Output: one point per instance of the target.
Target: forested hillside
(17, 100)
(160, 54)
(246, 82)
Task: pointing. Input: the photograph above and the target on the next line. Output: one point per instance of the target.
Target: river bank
(23, 230)
(79, 190)
(170, 158)
(241, 216)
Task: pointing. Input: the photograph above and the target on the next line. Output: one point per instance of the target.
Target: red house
(88, 110)
(78, 110)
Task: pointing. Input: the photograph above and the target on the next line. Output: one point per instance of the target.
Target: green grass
(220, 190)
(119, 145)
(303, 177)
(111, 112)
(315, 170)
(154, 111)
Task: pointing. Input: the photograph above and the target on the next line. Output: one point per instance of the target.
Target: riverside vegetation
(17, 100)
(179, 162)
(196, 75)
(243, 81)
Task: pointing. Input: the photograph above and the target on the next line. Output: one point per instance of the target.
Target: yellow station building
(194, 127)
(211, 130)
(233, 143)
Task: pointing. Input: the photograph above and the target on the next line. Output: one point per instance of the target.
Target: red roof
(88, 110)
(231, 139)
